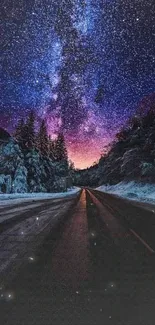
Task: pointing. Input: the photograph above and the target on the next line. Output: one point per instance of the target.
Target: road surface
(87, 260)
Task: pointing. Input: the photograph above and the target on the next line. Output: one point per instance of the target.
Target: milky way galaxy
(83, 65)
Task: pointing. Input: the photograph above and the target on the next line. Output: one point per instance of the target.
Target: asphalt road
(85, 261)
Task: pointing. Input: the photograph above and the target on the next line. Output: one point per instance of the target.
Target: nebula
(82, 65)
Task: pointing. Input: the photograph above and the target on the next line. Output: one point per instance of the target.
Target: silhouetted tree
(42, 139)
(52, 154)
(30, 126)
(60, 149)
(21, 133)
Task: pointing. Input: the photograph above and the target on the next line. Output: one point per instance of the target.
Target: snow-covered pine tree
(43, 140)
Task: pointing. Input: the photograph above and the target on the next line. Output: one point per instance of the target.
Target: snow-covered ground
(132, 191)
(7, 199)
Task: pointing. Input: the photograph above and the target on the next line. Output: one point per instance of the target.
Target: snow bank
(131, 190)
(6, 199)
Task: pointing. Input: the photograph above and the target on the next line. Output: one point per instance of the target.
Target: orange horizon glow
(85, 152)
(82, 163)
(85, 157)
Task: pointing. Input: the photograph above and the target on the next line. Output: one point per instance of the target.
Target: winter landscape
(34, 163)
(77, 162)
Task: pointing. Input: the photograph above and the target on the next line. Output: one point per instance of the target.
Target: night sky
(83, 65)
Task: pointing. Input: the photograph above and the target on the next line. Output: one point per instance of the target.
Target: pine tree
(52, 153)
(30, 125)
(71, 168)
(18, 134)
(21, 132)
(60, 149)
(43, 140)
(71, 165)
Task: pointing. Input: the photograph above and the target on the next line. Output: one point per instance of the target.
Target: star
(83, 69)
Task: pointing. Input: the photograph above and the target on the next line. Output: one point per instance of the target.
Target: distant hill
(132, 153)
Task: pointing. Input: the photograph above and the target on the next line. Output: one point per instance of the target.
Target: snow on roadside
(131, 190)
(15, 198)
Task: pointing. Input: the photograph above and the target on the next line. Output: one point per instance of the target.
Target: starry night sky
(83, 65)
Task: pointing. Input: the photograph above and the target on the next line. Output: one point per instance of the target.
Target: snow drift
(131, 190)
(14, 198)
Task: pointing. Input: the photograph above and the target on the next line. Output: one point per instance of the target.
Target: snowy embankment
(132, 191)
(15, 198)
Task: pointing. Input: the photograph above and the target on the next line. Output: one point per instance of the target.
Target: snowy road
(96, 268)
(24, 226)
(136, 216)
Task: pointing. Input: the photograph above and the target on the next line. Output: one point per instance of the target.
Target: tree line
(28, 138)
